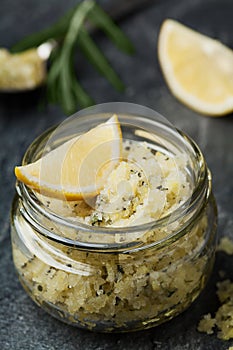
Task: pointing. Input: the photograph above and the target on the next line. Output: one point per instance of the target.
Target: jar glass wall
(117, 278)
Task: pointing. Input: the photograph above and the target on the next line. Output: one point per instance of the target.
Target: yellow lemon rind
(24, 174)
(177, 90)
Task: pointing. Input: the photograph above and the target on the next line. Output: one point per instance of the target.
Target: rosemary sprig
(62, 84)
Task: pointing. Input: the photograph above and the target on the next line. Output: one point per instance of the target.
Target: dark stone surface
(24, 326)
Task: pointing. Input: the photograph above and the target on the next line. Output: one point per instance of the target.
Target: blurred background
(24, 116)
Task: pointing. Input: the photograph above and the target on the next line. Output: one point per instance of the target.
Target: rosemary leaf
(53, 77)
(82, 97)
(76, 23)
(60, 78)
(97, 58)
(102, 20)
(67, 98)
(51, 87)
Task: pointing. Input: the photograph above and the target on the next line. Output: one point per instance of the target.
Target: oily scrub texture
(132, 289)
(222, 321)
(145, 186)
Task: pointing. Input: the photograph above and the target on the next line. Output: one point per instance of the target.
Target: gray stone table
(24, 326)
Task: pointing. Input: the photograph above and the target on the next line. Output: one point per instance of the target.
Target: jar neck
(115, 239)
(111, 239)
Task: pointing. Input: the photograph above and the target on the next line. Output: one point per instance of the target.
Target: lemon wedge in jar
(79, 167)
(197, 69)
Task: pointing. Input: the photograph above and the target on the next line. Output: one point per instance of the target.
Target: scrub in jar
(129, 257)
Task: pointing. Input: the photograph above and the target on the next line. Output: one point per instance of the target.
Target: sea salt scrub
(138, 252)
(146, 185)
(222, 321)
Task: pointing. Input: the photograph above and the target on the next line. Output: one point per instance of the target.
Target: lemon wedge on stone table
(79, 167)
(197, 69)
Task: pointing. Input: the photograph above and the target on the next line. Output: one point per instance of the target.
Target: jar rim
(200, 187)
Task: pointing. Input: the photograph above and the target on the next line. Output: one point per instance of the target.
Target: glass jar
(125, 278)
